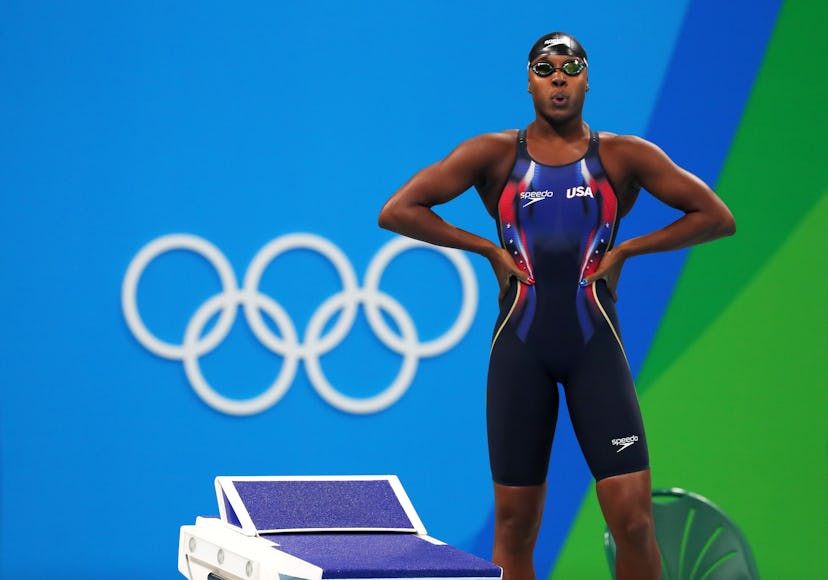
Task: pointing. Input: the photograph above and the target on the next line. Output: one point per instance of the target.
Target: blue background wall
(243, 124)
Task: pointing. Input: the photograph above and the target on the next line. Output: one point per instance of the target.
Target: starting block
(319, 527)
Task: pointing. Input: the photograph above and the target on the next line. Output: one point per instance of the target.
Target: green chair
(696, 539)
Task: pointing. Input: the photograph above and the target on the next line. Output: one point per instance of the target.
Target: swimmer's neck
(574, 129)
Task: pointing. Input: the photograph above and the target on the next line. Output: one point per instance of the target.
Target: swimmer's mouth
(560, 99)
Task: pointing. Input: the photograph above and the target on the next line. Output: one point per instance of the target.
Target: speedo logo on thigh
(624, 442)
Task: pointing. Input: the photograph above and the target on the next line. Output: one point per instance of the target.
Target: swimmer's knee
(517, 530)
(519, 512)
(636, 528)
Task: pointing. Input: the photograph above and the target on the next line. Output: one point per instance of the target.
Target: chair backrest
(696, 539)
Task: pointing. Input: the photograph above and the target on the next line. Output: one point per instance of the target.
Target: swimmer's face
(556, 94)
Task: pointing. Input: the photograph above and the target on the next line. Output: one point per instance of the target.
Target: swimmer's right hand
(505, 269)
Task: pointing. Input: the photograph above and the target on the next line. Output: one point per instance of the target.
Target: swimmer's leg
(518, 515)
(626, 501)
(521, 409)
(606, 417)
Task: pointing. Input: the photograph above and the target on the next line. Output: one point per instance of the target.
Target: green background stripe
(734, 390)
(741, 418)
(773, 176)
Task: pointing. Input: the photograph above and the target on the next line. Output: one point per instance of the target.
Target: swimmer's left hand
(609, 270)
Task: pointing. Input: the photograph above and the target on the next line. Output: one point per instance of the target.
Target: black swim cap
(557, 43)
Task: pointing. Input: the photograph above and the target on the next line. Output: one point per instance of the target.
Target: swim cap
(557, 43)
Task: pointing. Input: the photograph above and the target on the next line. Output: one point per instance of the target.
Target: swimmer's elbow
(389, 217)
(401, 216)
(726, 226)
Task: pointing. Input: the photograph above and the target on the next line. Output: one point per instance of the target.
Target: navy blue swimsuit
(557, 222)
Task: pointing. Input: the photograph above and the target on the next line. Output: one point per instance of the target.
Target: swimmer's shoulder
(493, 155)
(488, 155)
(624, 147)
(492, 146)
(624, 158)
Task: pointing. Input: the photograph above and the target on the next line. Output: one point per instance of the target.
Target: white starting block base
(315, 528)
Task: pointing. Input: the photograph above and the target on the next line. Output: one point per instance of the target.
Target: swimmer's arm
(409, 211)
(706, 217)
(472, 164)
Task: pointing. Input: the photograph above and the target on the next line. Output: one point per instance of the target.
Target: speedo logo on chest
(531, 197)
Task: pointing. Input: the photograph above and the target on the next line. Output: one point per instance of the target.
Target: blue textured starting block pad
(383, 556)
(302, 504)
(317, 528)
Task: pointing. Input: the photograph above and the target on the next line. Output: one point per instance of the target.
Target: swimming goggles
(570, 68)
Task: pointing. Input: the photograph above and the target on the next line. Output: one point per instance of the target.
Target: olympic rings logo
(315, 342)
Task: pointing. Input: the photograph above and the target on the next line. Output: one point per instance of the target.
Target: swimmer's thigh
(603, 405)
(521, 412)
